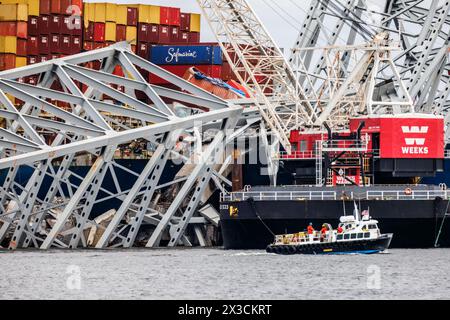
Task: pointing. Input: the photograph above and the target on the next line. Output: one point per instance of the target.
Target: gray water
(220, 274)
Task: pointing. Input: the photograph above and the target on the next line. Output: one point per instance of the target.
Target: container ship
(394, 165)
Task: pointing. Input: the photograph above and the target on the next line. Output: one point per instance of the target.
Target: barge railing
(335, 195)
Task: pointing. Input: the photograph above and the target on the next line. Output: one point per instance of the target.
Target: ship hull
(369, 246)
(415, 223)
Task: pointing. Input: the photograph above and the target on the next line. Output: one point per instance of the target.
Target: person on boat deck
(340, 230)
(323, 231)
(310, 231)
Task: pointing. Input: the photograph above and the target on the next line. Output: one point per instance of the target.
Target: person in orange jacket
(310, 228)
(310, 231)
(323, 231)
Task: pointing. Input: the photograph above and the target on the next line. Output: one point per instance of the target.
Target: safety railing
(335, 195)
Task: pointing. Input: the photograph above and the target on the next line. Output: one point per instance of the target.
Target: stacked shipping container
(13, 34)
(33, 31)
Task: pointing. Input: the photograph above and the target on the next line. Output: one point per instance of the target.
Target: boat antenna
(343, 205)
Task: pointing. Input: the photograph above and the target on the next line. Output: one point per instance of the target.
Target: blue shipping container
(186, 55)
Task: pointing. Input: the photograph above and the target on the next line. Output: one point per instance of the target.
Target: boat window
(373, 226)
(353, 236)
(360, 235)
(340, 237)
(347, 236)
(367, 235)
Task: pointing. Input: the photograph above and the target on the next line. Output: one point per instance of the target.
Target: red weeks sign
(412, 138)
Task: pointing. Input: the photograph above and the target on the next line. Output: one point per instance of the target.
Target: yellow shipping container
(89, 13)
(8, 44)
(14, 12)
(21, 62)
(195, 22)
(154, 14)
(33, 5)
(131, 35)
(143, 13)
(111, 12)
(110, 31)
(121, 14)
(100, 12)
(11, 98)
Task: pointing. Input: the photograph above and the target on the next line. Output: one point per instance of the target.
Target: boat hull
(367, 246)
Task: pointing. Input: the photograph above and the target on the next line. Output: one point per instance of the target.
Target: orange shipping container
(55, 6)
(16, 29)
(7, 61)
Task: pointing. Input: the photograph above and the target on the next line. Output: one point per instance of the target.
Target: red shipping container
(132, 14)
(74, 25)
(99, 45)
(7, 61)
(88, 45)
(76, 44)
(54, 56)
(99, 31)
(33, 45)
(44, 7)
(43, 58)
(32, 59)
(143, 30)
(194, 37)
(54, 25)
(43, 24)
(183, 37)
(174, 17)
(79, 4)
(33, 80)
(143, 50)
(44, 44)
(118, 71)
(65, 4)
(15, 29)
(65, 44)
(121, 33)
(55, 6)
(33, 26)
(164, 15)
(71, 25)
(21, 47)
(89, 32)
(153, 33)
(185, 21)
(174, 34)
(55, 43)
(213, 71)
(164, 34)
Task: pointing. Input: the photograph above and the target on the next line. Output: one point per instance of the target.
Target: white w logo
(415, 130)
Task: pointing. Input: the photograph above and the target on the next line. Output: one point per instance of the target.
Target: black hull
(345, 247)
(414, 223)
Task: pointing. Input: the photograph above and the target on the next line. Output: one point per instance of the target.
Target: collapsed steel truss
(94, 127)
